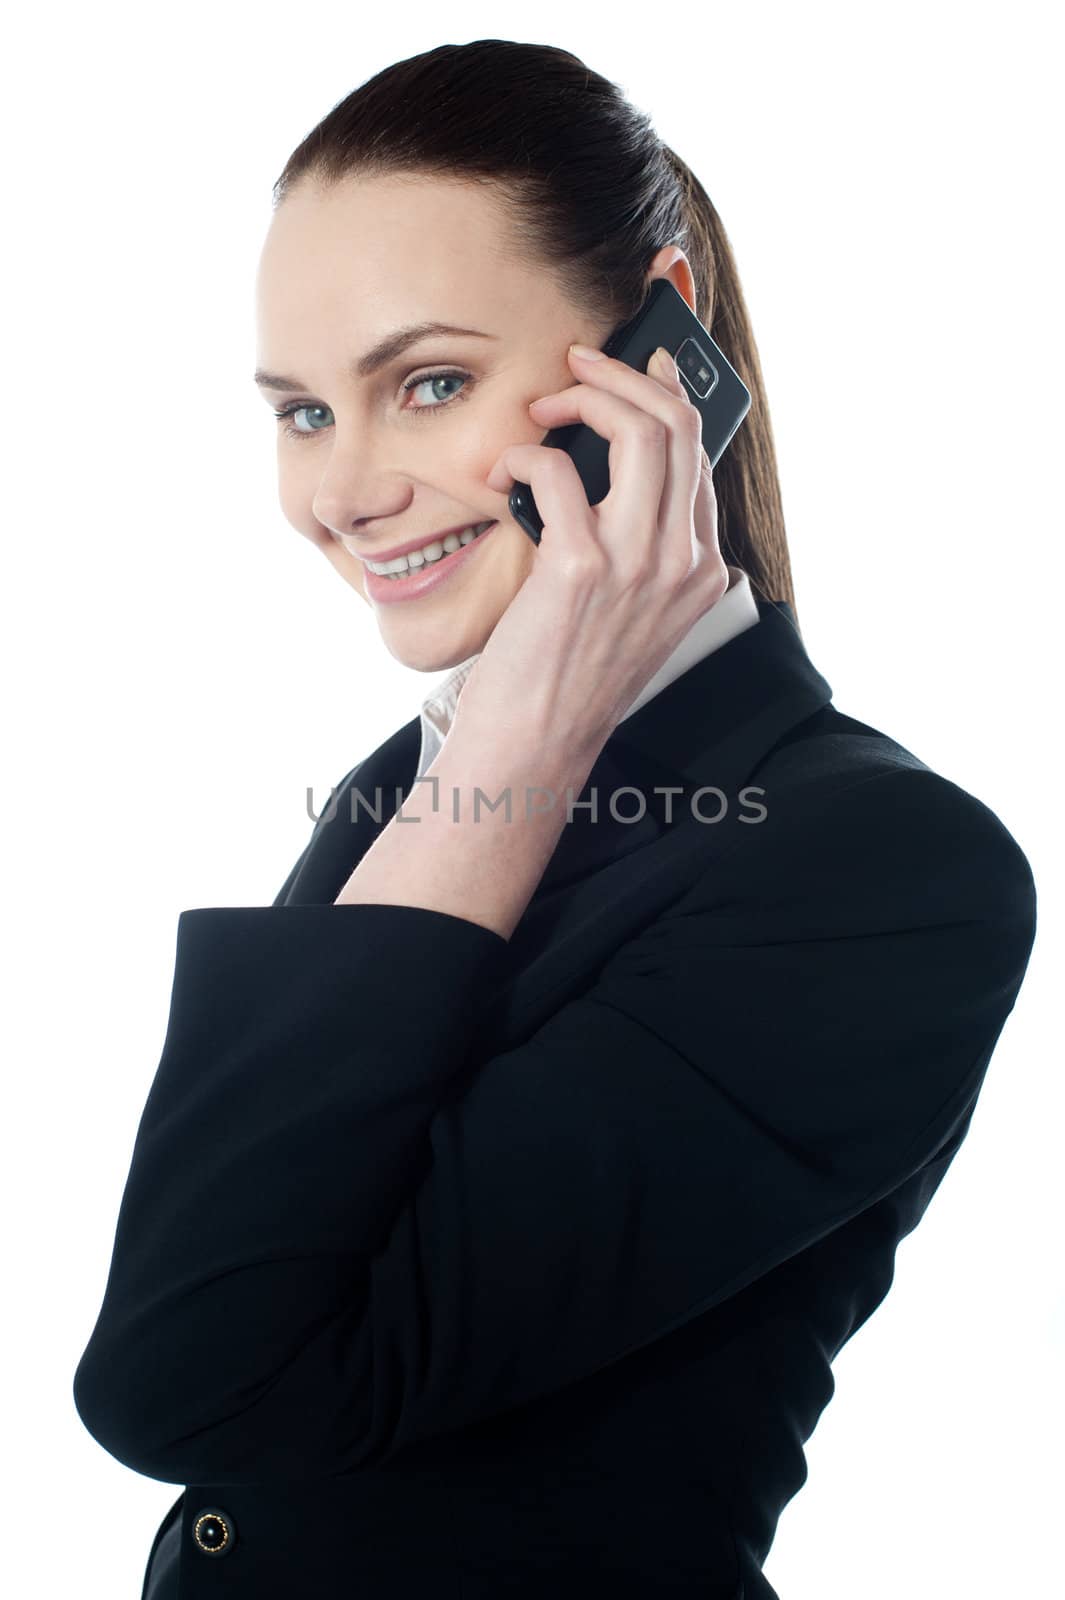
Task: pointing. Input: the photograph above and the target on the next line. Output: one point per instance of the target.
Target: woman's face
(379, 458)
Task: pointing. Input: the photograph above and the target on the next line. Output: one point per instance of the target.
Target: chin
(428, 655)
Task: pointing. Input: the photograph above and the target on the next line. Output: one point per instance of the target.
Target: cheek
(295, 498)
(347, 567)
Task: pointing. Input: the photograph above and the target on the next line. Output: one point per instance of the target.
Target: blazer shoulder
(852, 811)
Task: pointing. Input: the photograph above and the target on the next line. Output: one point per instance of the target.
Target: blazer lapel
(617, 866)
(706, 731)
(347, 825)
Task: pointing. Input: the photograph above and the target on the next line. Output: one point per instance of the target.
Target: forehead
(394, 248)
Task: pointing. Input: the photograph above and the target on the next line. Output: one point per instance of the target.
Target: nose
(347, 505)
(357, 487)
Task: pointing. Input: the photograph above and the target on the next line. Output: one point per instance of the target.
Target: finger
(675, 539)
(700, 533)
(558, 491)
(705, 551)
(704, 544)
(652, 460)
(706, 548)
(679, 485)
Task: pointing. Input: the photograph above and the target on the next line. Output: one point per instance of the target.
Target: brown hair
(590, 190)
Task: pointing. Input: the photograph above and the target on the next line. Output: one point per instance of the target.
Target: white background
(180, 665)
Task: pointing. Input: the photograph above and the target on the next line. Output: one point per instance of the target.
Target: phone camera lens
(696, 368)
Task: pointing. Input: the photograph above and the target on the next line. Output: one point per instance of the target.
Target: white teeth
(428, 553)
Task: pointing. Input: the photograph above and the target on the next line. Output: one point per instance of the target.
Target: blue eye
(290, 411)
(439, 377)
(411, 383)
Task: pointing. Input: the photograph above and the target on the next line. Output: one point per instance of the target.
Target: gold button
(213, 1531)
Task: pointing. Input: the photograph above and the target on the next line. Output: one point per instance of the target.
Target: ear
(671, 262)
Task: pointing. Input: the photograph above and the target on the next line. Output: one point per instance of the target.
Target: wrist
(517, 753)
(527, 786)
(474, 836)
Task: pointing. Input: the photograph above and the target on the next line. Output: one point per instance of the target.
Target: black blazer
(456, 1265)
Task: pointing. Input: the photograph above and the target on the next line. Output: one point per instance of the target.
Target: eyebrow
(385, 350)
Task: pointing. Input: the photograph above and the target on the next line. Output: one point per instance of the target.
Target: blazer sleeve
(332, 1242)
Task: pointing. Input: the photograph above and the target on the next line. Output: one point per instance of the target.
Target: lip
(415, 544)
(387, 591)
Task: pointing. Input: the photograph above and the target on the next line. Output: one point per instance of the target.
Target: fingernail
(585, 353)
(664, 363)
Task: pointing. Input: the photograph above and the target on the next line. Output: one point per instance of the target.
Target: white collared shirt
(735, 611)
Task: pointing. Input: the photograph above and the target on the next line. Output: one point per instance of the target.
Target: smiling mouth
(417, 560)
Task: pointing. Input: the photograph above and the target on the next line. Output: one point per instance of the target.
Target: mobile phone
(714, 388)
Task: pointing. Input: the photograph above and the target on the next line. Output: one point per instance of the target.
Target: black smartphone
(714, 388)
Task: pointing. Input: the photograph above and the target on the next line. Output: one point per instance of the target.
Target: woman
(507, 1187)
